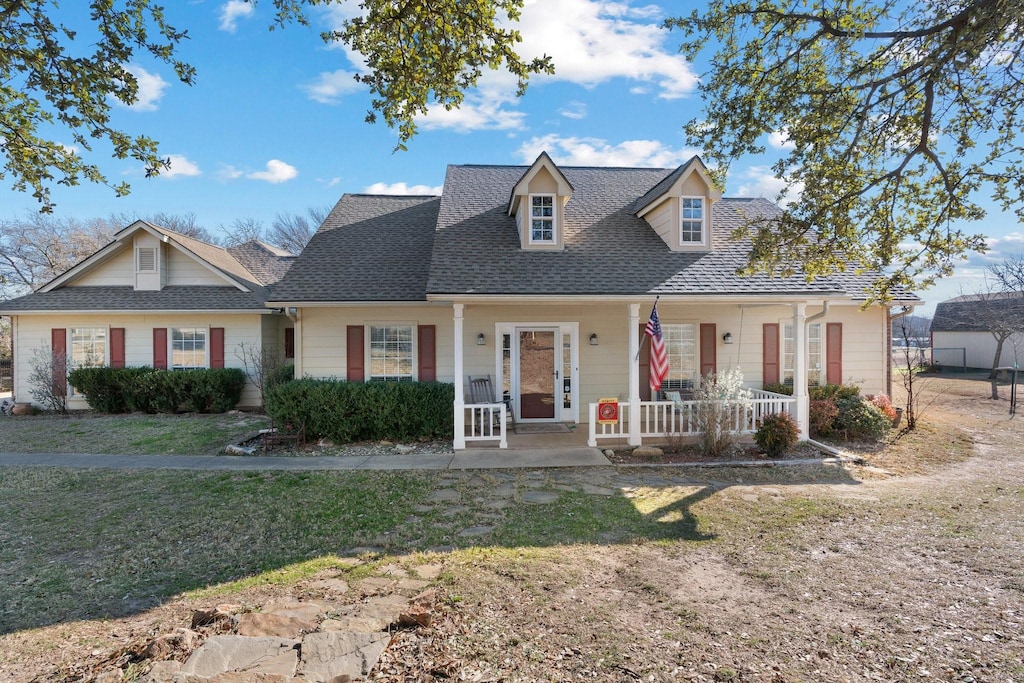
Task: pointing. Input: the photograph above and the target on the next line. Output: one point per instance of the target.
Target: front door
(537, 374)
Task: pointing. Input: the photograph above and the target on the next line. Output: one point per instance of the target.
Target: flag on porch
(659, 357)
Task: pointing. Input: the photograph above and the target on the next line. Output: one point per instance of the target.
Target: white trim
(822, 359)
(634, 375)
(562, 414)
(153, 311)
(206, 344)
(459, 440)
(705, 210)
(760, 299)
(553, 218)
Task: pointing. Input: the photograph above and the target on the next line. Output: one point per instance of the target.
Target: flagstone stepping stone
(221, 654)
(428, 571)
(376, 584)
(258, 624)
(476, 481)
(445, 496)
(592, 490)
(506, 490)
(295, 609)
(357, 624)
(423, 508)
(455, 510)
(330, 586)
(394, 571)
(536, 497)
(499, 504)
(476, 531)
(364, 550)
(412, 584)
(327, 656)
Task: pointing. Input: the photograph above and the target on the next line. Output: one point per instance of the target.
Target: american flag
(659, 357)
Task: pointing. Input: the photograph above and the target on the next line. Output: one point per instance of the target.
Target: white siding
(34, 332)
(182, 269)
(979, 348)
(118, 271)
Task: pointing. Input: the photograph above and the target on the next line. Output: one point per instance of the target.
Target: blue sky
(275, 121)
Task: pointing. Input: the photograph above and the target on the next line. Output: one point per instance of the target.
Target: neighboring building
(961, 331)
(154, 297)
(542, 277)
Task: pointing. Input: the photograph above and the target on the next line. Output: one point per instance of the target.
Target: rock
(428, 571)
(608, 453)
(540, 497)
(482, 530)
(425, 599)
(385, 442)
(592, 490)
(412, 584)
(325, 656)
(403, 449)
(295, 609)
(235, 449)
(648, 452)
(375, 584)
(364, 550)
(277, 625)
(211, 617)
(23, 409)
(357, 624)
(220, 654)
(415, 615)
(162, 672)
(330, 586)
(445, 496)
(246, 677)
(182, 640)
(112, 676)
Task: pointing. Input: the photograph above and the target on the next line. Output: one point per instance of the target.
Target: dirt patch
(740, 453)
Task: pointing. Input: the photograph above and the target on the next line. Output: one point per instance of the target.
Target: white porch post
(800, 369)
(459, 442)
(634, 375)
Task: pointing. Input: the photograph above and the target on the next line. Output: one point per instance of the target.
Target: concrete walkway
(469, 459)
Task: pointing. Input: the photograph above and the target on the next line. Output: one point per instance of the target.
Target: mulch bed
(693, 456)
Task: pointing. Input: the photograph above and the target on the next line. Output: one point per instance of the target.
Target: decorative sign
(607, 411)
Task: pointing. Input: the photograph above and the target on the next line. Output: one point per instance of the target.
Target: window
(691, 227)
(146, 259)
(542, 219)
(188, 348)
(391, 353)
(681, 348)
(815, 376)
(88, 346)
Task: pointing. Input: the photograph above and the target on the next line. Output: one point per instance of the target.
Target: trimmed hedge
(356, 411)
(143, 389)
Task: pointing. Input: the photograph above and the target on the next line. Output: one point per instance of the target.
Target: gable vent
(147, 259)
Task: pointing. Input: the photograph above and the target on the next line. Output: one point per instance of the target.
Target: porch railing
(659, 419)
(487, 422)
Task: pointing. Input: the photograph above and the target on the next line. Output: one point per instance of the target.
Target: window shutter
(708, 349)
(160, 348)
(289, 342)
(59, 350)
(770, 360)
(117, 347)
(645, 365)
(354, 353)
(427, 336)
(834, 353)
(216, 347)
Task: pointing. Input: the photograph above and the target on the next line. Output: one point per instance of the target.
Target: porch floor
(576, 437)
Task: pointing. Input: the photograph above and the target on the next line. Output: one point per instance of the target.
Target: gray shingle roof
(181, 298)
(370, 248)
(265, 261)
(976, 312)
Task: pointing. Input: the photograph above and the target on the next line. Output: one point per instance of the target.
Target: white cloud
(277, 172)
(483, 109)
(180, 166)
(401, 188)
(574, 151)
(233, 10)
(330, 86)
(229, 172)
(760, 182)
(151, 88)
(780, 140)
(574, 110)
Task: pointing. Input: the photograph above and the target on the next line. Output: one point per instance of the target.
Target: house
(965, 331)
(158, 298)
(541, 277)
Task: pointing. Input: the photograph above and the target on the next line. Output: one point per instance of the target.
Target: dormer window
(691, 226)
(542, 219)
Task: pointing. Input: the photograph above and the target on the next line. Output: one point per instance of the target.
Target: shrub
(833, 391)
(356, 411)
(883, 403)
(861, 420)
(143, 389)
(777, 434)
(215, 390)
(779, 388)
(718, 400)
(822, 416)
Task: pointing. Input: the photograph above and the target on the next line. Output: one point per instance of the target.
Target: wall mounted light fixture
(481, 339)
(593, 339)
(727, 338)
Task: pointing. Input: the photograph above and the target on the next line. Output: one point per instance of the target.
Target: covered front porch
(554, 363)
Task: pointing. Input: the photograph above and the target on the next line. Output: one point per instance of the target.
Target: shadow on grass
(95, 544)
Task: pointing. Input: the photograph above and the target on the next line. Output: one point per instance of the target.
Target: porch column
(459, 442)
(800, 369)
(634, 375)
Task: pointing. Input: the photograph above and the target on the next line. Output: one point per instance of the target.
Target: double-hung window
(542, 219)
(188, 348)
(88, 346)
(691, 226)
(391, 353)
(681, 349)
(815, 375)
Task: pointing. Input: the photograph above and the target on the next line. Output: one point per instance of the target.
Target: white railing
(487, 422)
(659, 419)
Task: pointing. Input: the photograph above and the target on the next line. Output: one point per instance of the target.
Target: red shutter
(59, 350)
(708, 349)
(834, 353)
(117, 347)
(427, 337)
(354, 354)
(645, 365)
(160, 348)
(216, 347)
(289, 342)
(770, 348)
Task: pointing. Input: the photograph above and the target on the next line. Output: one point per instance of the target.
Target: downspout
(821, 314)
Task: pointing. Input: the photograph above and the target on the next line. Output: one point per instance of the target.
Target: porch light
(727, 338)
(480, 339)
(593, 339)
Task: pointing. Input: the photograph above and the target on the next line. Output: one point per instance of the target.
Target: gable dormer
(679, 207)
(149, 262)
(538, 204)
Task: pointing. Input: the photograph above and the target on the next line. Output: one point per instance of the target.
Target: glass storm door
(537, 374)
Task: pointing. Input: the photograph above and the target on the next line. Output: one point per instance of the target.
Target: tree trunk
(995, 364)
